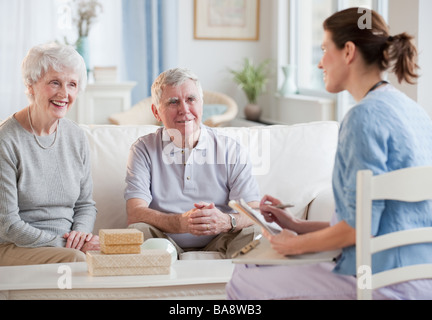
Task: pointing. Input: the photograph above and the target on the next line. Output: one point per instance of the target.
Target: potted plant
(252, 79)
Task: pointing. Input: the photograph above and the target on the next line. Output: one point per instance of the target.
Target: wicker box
(148, 262)
(120, 237)
(120, 249)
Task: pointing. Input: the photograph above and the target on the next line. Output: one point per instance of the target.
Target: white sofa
(292, 163)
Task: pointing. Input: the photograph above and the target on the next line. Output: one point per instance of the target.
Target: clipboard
(242, 206)
(260, 252)
(263, 254)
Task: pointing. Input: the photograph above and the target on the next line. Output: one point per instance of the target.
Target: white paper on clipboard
(242, 206)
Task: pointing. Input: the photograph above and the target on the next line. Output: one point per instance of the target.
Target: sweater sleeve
(85, 209)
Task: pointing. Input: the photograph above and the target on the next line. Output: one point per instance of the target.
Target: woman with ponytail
(385, 131)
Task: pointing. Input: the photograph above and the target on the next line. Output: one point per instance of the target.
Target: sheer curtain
(149, 41)
(26, 23)
(23, 24)
(137, 36)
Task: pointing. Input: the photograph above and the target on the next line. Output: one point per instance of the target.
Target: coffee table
(188, 279)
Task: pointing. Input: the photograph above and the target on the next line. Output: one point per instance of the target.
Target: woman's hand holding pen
(282, 242)
(287, 242)
(269, 209)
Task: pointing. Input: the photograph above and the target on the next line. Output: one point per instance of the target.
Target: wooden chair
(409, 185)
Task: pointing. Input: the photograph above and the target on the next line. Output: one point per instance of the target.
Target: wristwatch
(233, 223)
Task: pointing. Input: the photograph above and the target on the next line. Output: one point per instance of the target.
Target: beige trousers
(11, 255)
(225, 243)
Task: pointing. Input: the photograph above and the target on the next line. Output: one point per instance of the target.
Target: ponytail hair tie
(390, 39)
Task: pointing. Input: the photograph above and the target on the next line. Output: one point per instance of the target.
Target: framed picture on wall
(227, 19)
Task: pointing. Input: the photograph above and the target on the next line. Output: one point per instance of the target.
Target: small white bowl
(160, 244)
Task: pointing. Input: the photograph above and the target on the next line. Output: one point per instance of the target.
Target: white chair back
(409, 185)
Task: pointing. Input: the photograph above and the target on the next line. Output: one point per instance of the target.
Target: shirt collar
(201, 145)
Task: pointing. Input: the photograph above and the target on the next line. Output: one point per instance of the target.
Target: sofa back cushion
(292, 163)
(109, 148)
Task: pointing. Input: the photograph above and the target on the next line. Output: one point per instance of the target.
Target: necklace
(376, 86)
(34, 133)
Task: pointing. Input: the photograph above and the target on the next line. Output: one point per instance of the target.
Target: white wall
(403, 17)
(425, 61)
(210, 59)
(413, 17)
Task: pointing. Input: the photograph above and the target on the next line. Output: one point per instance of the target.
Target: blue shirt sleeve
(362, 146)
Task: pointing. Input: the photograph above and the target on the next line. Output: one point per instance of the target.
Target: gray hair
(173, 77)
(56, 56)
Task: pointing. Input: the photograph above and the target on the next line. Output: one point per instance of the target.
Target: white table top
(185, 272)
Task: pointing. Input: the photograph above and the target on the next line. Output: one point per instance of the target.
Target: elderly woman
(46, 207)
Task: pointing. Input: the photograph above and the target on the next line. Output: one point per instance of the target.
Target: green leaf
(252, 79)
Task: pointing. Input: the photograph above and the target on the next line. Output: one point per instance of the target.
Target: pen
(279, 206)
(284, 206)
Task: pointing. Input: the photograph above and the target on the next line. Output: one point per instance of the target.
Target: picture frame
(227, 20)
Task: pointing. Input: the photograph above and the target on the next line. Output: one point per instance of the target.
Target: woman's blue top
(386, 131)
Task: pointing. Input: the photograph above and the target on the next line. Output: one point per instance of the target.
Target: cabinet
(100, 100)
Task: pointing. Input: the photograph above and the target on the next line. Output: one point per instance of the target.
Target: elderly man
(181, 178)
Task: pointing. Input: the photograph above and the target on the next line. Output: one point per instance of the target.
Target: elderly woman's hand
(91, 245)
(78, 240)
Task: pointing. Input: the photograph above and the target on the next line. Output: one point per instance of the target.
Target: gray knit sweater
(44, 193)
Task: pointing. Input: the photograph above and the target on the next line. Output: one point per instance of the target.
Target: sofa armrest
(322, 207)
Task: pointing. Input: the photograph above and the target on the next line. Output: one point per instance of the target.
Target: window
(306, 18)
(309, 39)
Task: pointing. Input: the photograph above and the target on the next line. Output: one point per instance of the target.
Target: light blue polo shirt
(172, 180)
(386, 131)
